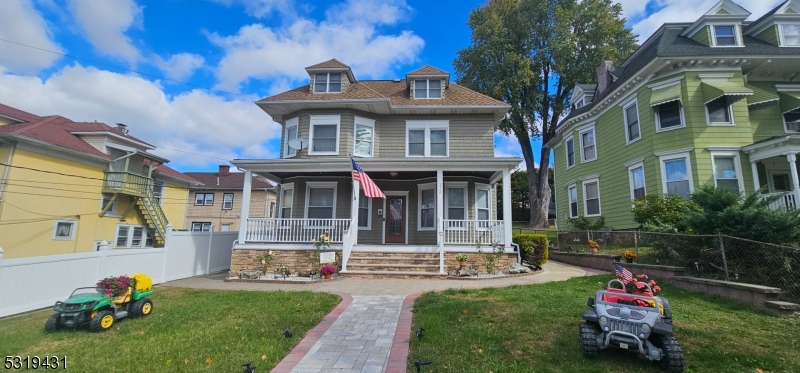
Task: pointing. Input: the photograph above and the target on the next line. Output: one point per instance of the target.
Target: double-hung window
(632, 127)
(364, 208)
(725, 36)
(204, 199)
(427, 88)
(455, 208)
(727, 171)
(588, 145)
(320, 201)
(364, 138)
(591, 198)
(790, 35)
(669, 115)
(427, 207)
(287, 198)
(290, 134)
(324, 135)
(676, 174)
(719, 112)
(483, 206)
(135, 236)
(328, 83)
(570, 146)
(573, 201)
(201, 227)
(636, 175)
(427, 138)
(227, 201)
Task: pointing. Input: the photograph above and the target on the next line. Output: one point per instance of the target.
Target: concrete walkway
(370, 329)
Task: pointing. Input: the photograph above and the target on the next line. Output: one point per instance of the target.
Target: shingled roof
(428, 70)
(233, 180)
(329, 64)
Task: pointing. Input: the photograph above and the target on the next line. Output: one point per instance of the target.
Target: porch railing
(127, 183)
(787, 200)
(295, 230)
(470, 232)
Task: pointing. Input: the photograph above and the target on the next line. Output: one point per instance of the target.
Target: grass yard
(188, 331)
(535, 329)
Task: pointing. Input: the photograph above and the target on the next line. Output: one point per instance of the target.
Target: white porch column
(440, 217)
(248, 184)
(354, 211)
(756, 182)
(507, 206)
(792, 158)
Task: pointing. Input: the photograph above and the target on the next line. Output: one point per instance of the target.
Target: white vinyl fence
(30, 283)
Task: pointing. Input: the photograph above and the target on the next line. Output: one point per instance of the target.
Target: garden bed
(486, 276)
(272, 279)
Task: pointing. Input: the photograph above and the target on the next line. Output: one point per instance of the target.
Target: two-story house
(426, 142)
(65, 186)
(713, 101)
(217, 203)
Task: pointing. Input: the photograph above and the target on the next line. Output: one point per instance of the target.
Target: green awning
(715, 90)
(664, 95)
(761, 96)
(789, 101)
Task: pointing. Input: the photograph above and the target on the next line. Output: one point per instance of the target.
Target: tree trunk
(540, 192)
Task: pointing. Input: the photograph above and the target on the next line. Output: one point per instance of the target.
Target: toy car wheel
(142, 307)
(588, 340)
(103, 321)
(672, 361)
(53, 323)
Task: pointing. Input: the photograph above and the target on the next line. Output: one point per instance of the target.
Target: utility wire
(83, 177)
(84, 191)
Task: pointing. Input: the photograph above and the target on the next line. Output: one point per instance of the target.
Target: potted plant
(116, 286)
(629, 256)
(594, 247)
(327, 270)
(462, 259)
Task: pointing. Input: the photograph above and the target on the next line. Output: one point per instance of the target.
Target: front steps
(370, 264)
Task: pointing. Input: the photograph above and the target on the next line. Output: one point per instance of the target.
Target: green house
(715, 101)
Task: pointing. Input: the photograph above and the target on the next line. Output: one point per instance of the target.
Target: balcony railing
(470, 232)
(787, 200)
(295, 230)
(127, 183)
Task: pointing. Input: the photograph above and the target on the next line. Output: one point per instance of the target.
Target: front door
(395, 219)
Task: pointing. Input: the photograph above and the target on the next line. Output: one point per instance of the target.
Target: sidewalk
(370, 329)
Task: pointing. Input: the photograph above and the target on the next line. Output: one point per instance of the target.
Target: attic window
(790, 35)
(328, 83)
(427, 88)
(725, 36)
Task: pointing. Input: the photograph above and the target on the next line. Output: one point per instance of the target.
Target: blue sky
(231, 52)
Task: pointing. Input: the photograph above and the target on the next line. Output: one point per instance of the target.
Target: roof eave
(374, 164)
(55, 147)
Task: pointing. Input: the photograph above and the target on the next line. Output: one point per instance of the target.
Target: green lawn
(188, 331)
(535, 329)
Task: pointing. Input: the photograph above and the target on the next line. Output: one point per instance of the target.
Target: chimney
(224, 170)
(122, 128)
(604, 78)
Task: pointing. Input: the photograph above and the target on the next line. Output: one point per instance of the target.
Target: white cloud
(261, 8)
(105, 23)
(193, 121)
(179, 66)
(20, 22)
(349, 32)
(679, 11)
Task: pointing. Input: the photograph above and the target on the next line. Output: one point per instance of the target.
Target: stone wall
(754, 295)
(660, 273)
(296, 260)
(602, 262)
(478, 262)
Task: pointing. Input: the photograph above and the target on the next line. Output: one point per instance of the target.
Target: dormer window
(427, 88)
(328, 83)
(725, 36)
(790, 35)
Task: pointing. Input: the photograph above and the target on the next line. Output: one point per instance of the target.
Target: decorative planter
(462, 263)
(328, 276)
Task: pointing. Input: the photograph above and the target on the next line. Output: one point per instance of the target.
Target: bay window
(427, 207)
(364, 138)
(324, 135)
(320, 200)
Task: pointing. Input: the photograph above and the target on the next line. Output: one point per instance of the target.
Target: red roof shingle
(233, 180)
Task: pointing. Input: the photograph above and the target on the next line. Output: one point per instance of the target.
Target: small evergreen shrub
(533, 247)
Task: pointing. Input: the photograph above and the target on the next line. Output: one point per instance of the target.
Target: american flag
(367, 185)
(623, 273)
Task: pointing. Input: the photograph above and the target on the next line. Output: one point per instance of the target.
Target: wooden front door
(395, 219)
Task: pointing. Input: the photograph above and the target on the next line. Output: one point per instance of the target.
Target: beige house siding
(259, 208)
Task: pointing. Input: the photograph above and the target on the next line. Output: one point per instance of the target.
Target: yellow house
(66, 186)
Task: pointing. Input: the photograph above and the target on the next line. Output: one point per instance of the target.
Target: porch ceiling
(386, 176)
(372, 165)
(773, 147)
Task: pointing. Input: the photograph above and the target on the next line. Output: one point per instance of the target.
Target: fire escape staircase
(143, 200)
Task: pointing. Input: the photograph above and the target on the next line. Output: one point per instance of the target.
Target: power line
(197, 154)
(84, 177)
(85, 191)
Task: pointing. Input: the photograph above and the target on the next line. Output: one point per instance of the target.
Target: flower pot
(327, 276)
(628, 260)
(462, 263)
(593, 251)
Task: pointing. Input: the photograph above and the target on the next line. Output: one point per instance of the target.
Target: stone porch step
(392, 255)
(392, 274)
(392, 260)
(394, 267)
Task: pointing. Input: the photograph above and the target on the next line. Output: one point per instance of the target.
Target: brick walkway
(370, 329)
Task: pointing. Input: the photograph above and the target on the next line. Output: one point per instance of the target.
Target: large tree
(529, 54)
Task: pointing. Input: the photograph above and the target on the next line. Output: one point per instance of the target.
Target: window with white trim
(324, 135)
(427, 88)
(204, 199)
(287, 198)
(201, 227)
(134, 236)
(227, 201)
(570, 147)
(725, 36)
(483, 203)
(158, 191)
(320, 200)
(427, 207)
(328, 83)
(364, 208)
(676, 174)
(225, 228)
(790, 35)
(112, 211)
(455, 201)
(65, 229)
(591, 198)
(364, 138)
(669, 115)
(632, 128)
(573, 201)
(719, 112)
(636, 176)
(427, 138)
(292, 126)
(588, 145)
(791, 120)
(727, 170)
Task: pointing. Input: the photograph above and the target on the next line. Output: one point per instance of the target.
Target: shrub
(663, 213)
(584, 224)
(533, 247)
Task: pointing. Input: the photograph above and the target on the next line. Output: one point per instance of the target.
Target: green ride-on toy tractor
(92, 306)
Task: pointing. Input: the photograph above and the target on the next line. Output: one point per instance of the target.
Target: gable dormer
(582, 95)
(780, 26)
(331, 76)
(427, 83)
(719, 27)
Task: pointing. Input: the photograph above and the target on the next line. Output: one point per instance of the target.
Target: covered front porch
(774, 166)
(432, 206)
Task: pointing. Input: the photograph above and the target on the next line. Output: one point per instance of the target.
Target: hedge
(533, 247)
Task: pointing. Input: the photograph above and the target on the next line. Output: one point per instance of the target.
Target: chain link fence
(717, 257)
